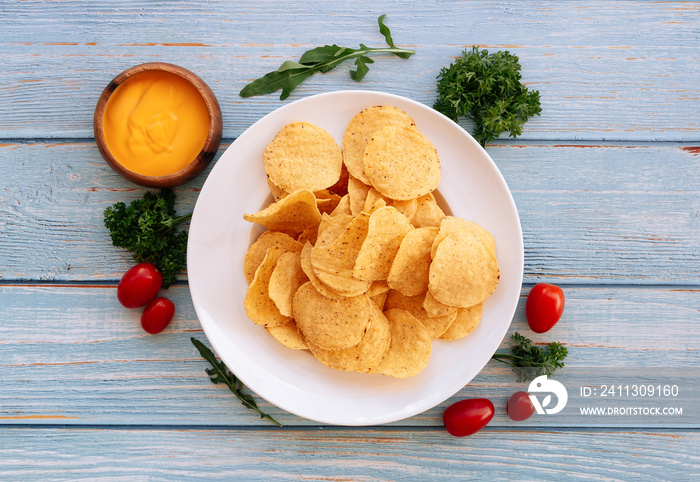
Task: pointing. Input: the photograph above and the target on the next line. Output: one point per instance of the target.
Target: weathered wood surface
(369, 454)
(606, 182)
(617, 214)
(621, 71)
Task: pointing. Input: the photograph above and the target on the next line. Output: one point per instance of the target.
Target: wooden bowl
(197, 165)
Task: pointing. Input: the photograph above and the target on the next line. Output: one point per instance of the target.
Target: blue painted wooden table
(606, 181)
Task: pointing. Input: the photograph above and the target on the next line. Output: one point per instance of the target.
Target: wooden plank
(72, 355)
(598, 79)
(615, 213)
(153, 454)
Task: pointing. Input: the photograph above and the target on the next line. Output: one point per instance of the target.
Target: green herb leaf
(220, 374)
(362, 69)
(384, 30)
(147, 228)
(530, 361)
(321, 59)
(487, 89)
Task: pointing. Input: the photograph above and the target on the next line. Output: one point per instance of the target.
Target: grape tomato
(157, 315)
(467, 417)
(139, 285)
(544, 307)
(519, 406)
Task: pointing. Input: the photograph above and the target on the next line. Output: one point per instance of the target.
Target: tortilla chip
(410, 347)
(410, 270)
(257, 251)
(291, 215)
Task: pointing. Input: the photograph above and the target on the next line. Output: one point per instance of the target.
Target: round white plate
(294, 380)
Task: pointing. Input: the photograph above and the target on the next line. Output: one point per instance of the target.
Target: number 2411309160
(639, 390)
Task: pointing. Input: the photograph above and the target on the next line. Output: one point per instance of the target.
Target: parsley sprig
(147, 227)
(486, 88)
(220, 374)
(529, 361)
(322, 59)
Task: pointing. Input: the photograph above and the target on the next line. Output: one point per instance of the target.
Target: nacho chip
(290, 215)
(303, 156)
(386, 229)
(467, 319)
(360, 129)
(407, 208)
(464, 271)
(333, 263)
(305, 260)
(428, 212)
(401, 164)
(343, 206)
(364, 356)
(276, 191)
(258, 305)
(452, 224)
(357, 192)
(412, 304)
(257, 251)
(436, 325)
(289, 335)
(328, 323)
(434, 308)
(410, 347)
(410, 270)
(285, 280)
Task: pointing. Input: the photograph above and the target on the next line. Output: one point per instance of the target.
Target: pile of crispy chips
(359, 264)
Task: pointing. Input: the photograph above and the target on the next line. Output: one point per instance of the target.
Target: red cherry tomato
(157, 315)
(519, 406)
(544, 307)
(139, 285)
(467, 417)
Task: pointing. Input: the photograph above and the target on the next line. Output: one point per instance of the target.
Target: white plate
(294, 380)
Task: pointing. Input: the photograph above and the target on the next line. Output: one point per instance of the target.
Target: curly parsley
(148, 229)
(486, 88)
(529, 361)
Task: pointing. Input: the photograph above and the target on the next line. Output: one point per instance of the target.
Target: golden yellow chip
(276, 191)
(377, 287)
(332, 324)
(357, 192)
(379, 299)
(386, 229)
(343, 207)
(412, 304)
(408, 208)
(464, 271)
(467, 319)
(333, 263)
(291, 215)
(452, 224)
(257, 251)
(364, 356)
(410, 347)
(285, 280)
(434, 308)
(303, 156)
(373, 197)
(360, 129)
(436, 325)
(305, 259)
(401, 164)
(258, 305)
(289, 335)
(428, 212)
(411, 267)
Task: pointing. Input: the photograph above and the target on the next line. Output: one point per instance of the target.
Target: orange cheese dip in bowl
(158, 124)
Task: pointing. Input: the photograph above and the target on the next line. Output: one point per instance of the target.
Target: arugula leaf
(321, 59)
(529, 361)
(147, 228)
(220, 374)
(486, 88)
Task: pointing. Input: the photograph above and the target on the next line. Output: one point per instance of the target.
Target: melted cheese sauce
(155, 123)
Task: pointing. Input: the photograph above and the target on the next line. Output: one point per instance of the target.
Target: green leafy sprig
(220, 374)
(147, 227)
(486, 88)
(322, 59)
(530, 361)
